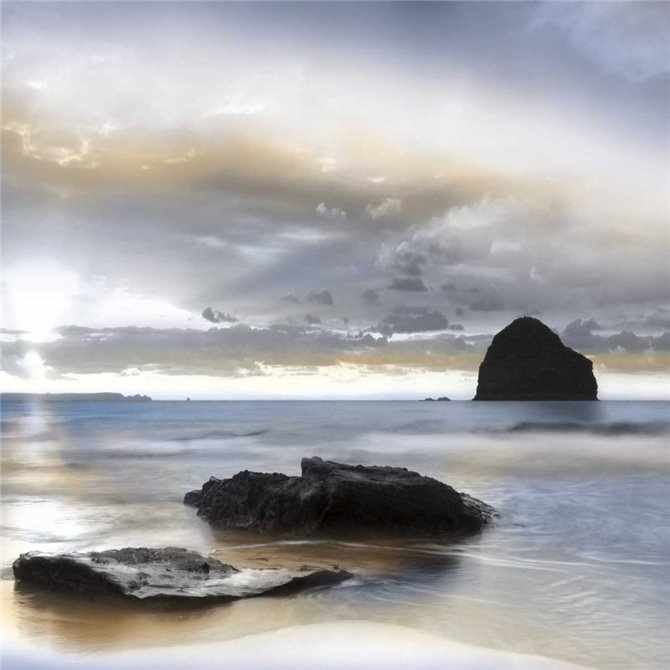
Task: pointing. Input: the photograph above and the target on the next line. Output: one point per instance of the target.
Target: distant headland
(107, 397)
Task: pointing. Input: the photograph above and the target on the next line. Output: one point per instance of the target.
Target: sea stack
(528, 361)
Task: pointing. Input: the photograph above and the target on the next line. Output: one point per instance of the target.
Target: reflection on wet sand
(82, 624)
(369, 555)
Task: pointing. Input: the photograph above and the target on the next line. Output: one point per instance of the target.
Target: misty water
(576, 568)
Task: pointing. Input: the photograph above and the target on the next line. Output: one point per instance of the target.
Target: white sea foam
(324, 646)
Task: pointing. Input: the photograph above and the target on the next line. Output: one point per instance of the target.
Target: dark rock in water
(331, 498)
(441, 398)
(169, 574)
(528, 361)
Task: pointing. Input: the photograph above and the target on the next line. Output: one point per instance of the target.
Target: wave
(218, 435)
(611, 428)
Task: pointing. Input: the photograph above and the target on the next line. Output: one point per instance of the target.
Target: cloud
(407, 284)
(628, 341)
(504, 243)
(386, 209)
(456, 326)
(281, 351)
(225, 352)
(192, 192)
(626, 38)
(312, 319)
(370, 297)
(217, 316)
(662, 342)
(415, 320)
(408, 262)
(487, 305)
(333, 213)
(659, 320)
(321, 297)
(289, 297)
(579, 334)
(581, 328)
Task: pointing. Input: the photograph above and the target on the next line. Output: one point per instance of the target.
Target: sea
(575, 569)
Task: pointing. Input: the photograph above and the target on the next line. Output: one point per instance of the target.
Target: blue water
(576, 568)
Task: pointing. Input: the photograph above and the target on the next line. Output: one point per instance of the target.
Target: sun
(37, 298)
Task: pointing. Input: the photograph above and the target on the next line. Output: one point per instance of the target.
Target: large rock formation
(334, 499)
(528, 361)
(169, 574)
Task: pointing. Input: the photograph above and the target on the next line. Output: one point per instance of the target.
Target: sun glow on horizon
(37, 297)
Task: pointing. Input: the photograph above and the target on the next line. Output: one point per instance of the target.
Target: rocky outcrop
(528, 361)
(335, 499)
(169, 574)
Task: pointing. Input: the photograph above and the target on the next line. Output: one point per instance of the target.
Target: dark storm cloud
(659, 319)
(662, 342)
(628, 341)
(320, 297)
(409, 262)
(407, 284)
(289, 297)
(217, 316)
(415, 320)
(580, 335)
(581, 328)
(312, 319)
(370, 297)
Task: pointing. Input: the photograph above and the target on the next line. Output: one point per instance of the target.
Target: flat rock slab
(333, 498)
(164, 574)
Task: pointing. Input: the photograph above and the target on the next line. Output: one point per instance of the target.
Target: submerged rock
(528, 361)
(332, 498)
(171, 574)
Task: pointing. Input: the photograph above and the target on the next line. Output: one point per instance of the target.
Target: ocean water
(577, 567)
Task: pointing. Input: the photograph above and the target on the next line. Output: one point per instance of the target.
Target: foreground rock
(332, 498)
(169, 574)
(528, 361)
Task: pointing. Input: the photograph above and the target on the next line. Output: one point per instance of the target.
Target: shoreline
(337, 645)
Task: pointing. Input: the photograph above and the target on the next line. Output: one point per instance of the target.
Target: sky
(330, 200)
